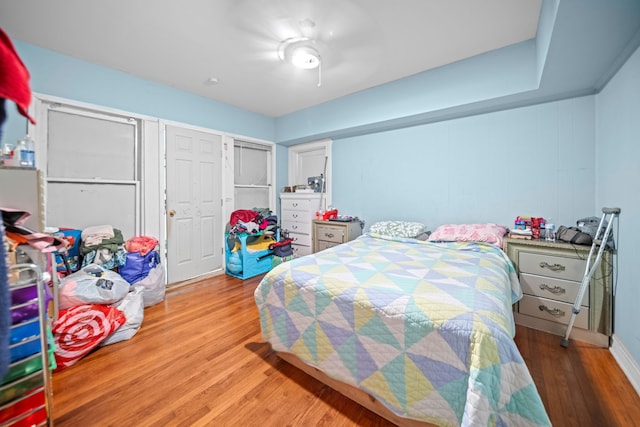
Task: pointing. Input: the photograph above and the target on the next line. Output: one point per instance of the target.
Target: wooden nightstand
(331, 233)
(550, 275)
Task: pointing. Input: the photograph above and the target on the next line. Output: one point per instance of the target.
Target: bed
(419, 331)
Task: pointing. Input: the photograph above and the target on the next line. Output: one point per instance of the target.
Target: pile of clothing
(103, 245)
(251, 221)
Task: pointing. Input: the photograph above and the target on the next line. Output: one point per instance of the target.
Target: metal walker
(599, 242)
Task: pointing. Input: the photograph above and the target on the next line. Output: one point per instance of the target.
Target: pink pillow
(489, 233)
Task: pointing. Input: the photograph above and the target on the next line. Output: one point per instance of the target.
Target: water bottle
(550, 233)
(27, 152)
(17, 153)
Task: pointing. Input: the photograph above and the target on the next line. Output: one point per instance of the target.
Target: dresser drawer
(300, 216)
(330, 234)
(556, 289)
(559, 312)
(552, 266)
(296, 227)
(300, 250)
(295, 205)
(300, 239)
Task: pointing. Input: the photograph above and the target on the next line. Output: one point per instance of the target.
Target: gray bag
(573, 235)
(590, 226)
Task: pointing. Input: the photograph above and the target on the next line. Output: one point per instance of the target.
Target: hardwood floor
(199, 359)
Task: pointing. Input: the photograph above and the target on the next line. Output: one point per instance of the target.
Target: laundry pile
(103, 302)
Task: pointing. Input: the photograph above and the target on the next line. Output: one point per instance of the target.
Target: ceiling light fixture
(301, 53)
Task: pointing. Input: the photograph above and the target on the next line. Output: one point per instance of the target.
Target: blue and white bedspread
(426, 328)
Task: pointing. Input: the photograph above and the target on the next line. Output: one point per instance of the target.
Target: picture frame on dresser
(550, 274)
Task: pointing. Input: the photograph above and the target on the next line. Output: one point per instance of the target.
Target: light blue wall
(426, 96)
(66, 77)
(617, 179)
(536, 160)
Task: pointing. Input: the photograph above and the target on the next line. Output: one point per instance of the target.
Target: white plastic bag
(154, 286)
(92, 285)
(133, 309)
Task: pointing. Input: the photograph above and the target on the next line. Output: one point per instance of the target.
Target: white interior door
(194, 203)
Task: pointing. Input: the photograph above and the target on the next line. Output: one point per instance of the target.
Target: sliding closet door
(253, 175)
(92, 169)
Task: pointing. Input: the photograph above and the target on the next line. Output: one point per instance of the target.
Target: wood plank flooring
(199, 360)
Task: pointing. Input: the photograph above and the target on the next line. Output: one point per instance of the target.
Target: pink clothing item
(141, 244)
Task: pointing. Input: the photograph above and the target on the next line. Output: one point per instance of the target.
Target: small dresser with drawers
(550, 274)
(327, 234)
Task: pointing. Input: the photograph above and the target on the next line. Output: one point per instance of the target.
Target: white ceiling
(363, 43)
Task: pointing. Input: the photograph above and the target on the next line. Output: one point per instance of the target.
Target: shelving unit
(26, 389)
(244, 263)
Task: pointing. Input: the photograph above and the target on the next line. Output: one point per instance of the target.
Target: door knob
(172, 213)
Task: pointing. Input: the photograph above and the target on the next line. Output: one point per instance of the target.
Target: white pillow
(398, 228)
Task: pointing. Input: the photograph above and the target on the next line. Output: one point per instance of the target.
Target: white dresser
(298, 210)
(550, 275)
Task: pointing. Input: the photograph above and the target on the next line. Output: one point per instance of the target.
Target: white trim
(626, 362)
(87, 106)
(293, 152)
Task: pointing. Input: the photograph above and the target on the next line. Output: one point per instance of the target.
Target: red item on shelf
(330, 215)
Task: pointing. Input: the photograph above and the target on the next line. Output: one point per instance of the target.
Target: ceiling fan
(334, 37)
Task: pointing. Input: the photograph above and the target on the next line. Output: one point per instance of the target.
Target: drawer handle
(552, 267)
(295, 205)
(329, 235)
(557, 290)
(295, 215)
(295, 227)
(555, 312)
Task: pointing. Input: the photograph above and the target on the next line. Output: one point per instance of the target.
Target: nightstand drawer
(554, 311)
(330, 234)
(323, 244)
(552, 266)
(556, 289)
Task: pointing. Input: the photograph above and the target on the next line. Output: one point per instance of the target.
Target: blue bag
(137, 267)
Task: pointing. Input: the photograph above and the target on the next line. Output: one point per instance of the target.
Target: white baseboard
(628, 365)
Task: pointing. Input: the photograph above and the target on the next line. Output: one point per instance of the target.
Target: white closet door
(194, 203)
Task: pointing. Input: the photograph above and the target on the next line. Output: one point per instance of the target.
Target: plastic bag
(80, 329)
(133, 309)
(137, 267)
(154, 286)
(92, 285)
